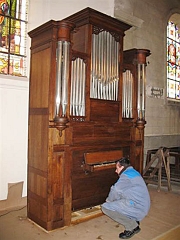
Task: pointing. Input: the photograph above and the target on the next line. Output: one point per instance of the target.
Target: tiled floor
(164, 216)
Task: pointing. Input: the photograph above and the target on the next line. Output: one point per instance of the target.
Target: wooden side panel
(80, 39)
(38, 139)
(39, 84)
(37, 169)
(100, 133)
(137, 149)
(104, 110)
(38, 142)
(91, 189)
(57, 188)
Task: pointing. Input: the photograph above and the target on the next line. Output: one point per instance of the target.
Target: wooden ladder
(162, 157)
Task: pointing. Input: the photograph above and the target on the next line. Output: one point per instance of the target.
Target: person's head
(122, 164)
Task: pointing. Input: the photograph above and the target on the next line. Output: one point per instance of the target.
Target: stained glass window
(173, 61)
(13, 23)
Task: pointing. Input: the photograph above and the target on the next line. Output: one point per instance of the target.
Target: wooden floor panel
(162, 222)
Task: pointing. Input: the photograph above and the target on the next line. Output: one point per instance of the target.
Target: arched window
(13, 31)
(173, 58)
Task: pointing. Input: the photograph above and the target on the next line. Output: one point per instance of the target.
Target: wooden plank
(102, 157)
(171, 234)
(99, 109)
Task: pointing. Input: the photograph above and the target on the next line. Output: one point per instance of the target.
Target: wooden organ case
(86, 110)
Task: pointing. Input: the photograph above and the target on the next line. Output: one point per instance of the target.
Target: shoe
(128, 234)
(138, 222)
(137, 229)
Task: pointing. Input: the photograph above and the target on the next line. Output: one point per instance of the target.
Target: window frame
(13, 48)
(176, 80)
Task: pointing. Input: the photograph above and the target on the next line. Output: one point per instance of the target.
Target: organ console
(96, 161)
(86, 110)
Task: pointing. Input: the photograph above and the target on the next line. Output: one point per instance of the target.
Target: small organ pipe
(127, 94)
(139, 92)
(65, 77)
(80, 88)
(77, 88)
(143, 90)
(131, 94)
(58, 77)
(74, 86)
(92, 69)
(83, 90)
(117, 61)
(71, 93)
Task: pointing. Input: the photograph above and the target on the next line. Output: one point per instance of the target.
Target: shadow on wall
(14, 197)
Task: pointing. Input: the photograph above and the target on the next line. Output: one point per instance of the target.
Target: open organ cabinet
(86, 110)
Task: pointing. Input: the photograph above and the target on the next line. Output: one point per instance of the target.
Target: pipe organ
(86, 110)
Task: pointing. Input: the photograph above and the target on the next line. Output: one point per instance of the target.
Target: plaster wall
(13, 133)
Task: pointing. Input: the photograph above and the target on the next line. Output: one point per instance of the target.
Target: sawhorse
(162, 155)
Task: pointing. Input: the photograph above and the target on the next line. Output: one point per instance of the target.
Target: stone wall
(149, 20)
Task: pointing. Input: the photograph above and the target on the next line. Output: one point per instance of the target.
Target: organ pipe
(141, 91)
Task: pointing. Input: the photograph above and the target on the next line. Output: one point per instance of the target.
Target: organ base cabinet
(86, 110)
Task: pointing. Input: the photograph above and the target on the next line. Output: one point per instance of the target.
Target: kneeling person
(128, 201)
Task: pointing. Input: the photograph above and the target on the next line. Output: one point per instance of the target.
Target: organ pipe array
(77, 95)
(62, 75)
(134, 85)
(127, 97)
(104, 66)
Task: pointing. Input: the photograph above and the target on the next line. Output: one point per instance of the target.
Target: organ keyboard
(96, 161)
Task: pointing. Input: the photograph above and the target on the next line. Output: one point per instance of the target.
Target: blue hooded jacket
(129, 195)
